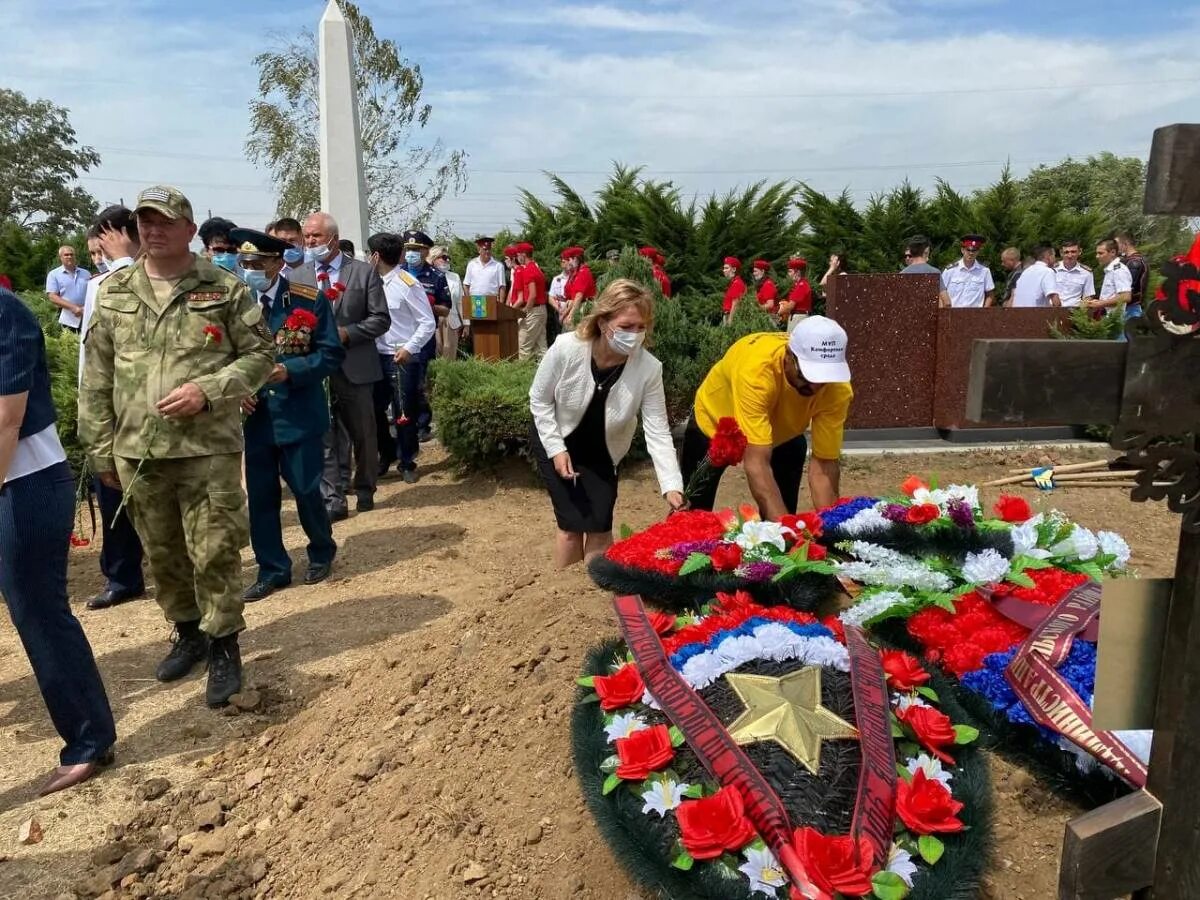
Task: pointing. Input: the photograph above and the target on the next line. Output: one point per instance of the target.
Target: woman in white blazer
(585, 400)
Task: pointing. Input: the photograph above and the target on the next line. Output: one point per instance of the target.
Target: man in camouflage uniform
(174, 345)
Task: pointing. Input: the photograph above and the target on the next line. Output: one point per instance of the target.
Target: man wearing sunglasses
(916, 257)
(777, 386)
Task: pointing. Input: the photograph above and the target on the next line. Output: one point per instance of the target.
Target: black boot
(224, 670)
(190, 647)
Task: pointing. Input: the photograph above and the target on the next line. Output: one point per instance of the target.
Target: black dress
(585, 506)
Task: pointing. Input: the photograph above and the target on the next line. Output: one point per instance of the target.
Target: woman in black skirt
(589, 389)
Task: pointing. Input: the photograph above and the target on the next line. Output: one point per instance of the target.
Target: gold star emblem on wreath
(788, 711)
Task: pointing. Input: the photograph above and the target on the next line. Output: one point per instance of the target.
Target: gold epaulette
(307, 291)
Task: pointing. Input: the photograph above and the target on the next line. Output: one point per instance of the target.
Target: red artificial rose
(301, 318)
(837, 865)
(903, 670)
(714, 824)
(726, 557)
(926, 806)
(912, 484)
(816, 552)
(662, 623)
(1013, 509)
(931, 728)
(922, 514)
(623, 688)
(213, 333)
(646, 750)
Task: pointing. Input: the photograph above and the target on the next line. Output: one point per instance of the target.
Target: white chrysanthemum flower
(734, 651)
(648, 700)
(900, 862)
(968, 493)
(904, 701)
(1113, 544)
(757, 534)
(702, 670)
(663, 795)
(866, 521)
(985, 567)
(777, 642)
(763, 870)
(933, 768)
(623, 725)
(1080, 544)
(1025, 537)
(870, 606)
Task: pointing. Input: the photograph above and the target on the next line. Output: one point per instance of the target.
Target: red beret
(733, 261)
(973, 241)
(572, 253)
(762, 264)
(510, 251)
(797, 262)
(525, 247)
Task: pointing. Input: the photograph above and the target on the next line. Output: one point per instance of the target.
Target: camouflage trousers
(191, 516)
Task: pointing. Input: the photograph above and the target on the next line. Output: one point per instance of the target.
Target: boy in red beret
(737, 287)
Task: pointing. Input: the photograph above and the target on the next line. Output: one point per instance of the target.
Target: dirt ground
(411, 736)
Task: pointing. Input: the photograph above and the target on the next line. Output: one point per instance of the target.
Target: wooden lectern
(493, 328)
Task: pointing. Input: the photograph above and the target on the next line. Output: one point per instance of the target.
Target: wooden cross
(1148, 389)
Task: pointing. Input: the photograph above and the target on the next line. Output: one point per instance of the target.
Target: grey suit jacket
(362, 310)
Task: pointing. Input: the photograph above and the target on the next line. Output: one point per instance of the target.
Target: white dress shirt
(1074, 284)
(1117, 278)
(1035, 286)
(967, 287)
(412, 316)
(89, 304)
(484, 281)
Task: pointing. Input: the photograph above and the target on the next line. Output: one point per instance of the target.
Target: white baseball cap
(820, 348)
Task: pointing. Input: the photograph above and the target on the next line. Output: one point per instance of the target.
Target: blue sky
(839, 93)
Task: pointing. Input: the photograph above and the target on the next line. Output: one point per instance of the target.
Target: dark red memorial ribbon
(720, 754)
(1051, 700)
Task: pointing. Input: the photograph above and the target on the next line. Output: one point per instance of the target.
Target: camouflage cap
(167, 200)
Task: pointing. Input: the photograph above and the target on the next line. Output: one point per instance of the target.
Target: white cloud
(600, 16)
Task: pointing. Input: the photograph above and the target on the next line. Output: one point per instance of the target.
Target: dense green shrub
(482, 409)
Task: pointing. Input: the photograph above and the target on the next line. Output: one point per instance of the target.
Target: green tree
(40, 159)
(405, 180)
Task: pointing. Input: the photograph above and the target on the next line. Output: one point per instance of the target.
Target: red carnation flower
(903, 670)
(714, 824)
(922, 514)
(926, 806)
(646, 750)
(300, 318)
(726, 557)
(623, 688)
(932, 729)
(837, 865)
(1013, 509)
(213, 333)
(662, 623)
(834, 624)
(961, 657)
(728, 444)
(912, 484)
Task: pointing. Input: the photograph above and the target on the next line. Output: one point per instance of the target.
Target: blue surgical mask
(256, 279)
(293, 256)
(412, 258)
(227, 261)
(316, 254)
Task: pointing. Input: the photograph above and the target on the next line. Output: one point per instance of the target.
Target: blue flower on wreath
(1079, 670)
(832, 518)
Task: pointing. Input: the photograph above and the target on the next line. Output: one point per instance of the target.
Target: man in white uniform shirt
(121, 552)
(485, 277)
(968, 283)
(1038, 285)
(1117, 286)
(399, 348)
(1075, 282)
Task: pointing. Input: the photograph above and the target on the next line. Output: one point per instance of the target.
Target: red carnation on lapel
(213, 334)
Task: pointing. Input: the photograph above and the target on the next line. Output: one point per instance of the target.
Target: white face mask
(625, 342)
(316, 254)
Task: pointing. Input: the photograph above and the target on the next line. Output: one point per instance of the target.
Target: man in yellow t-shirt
(776, 386)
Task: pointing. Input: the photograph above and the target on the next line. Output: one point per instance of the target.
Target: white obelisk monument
(343, 188)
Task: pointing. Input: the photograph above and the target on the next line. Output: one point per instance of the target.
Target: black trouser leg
(787, 465)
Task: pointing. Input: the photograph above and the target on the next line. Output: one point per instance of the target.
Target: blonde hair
(618, 296)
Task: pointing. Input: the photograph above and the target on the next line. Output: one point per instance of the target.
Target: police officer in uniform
(174, 346)
(416, 263)
(968, 283)
(287, 419)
